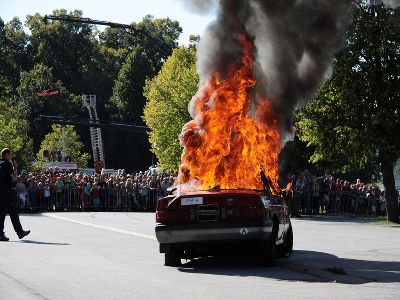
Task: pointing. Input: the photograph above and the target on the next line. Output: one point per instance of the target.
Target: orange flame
(226, 145)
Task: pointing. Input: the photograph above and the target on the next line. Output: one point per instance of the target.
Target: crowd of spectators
(61, 191)
(326, 194)
(56, 190)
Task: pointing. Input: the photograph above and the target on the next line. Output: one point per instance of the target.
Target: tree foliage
(82, 59)
(14, 134)
(13, 55)
(165, 29)
(166, 111)
(354, 118)
(31, 106)
(69, 141)
(143, 60)
(127, 95)
(68, 48)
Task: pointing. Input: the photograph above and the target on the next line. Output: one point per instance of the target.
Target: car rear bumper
(209, 232)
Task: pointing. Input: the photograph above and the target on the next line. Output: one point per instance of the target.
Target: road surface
(115, 256)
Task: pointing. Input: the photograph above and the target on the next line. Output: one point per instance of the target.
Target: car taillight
(162, 204)
(160, 211)
(160, 216)
(170, 210)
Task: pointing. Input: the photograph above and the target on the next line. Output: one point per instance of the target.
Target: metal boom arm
(162, 45)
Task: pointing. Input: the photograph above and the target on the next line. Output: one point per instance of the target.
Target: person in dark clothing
(288, 194)
(7, 204)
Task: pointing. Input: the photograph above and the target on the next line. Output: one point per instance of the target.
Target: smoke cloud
(201, 6)
(391, 3)
(294, 41)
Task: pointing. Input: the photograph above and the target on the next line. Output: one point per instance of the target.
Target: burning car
(203, 223)
(233, 138)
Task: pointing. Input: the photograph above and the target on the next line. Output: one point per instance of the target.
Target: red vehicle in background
(204, 223)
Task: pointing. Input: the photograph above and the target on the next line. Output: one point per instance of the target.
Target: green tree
(14, 134)
(31, 106)
(14, 56)
(69, 141)
(67, 47)
(166, 30)
(166, 111)
(194, 40)
(127, 95)
(355, 116)
(143, 60)
(78, 55)
(126, 104)
(80, 60)
(116, 38)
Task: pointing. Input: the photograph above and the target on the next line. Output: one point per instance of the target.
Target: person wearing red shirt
(346, 196)
(96, 195)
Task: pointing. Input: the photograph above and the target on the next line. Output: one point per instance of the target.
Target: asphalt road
(115, 256)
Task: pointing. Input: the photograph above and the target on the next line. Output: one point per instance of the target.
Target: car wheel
(172, 258)
(269, 251)
(286, 248)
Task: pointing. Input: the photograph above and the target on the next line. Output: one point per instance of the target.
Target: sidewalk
(345, 249)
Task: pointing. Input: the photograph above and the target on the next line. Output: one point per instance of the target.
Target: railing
(107, 199)
(338, 202)
(129, 199)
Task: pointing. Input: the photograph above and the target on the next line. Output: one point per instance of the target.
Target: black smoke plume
(391, 3)
(294, 43)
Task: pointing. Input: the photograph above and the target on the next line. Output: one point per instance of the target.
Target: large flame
(231, 138)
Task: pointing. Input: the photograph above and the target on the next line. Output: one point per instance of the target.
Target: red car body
(204, 223)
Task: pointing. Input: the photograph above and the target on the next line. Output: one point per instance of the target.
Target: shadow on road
(239, 266)
(43, 243)
(339, 219)
(310, 263)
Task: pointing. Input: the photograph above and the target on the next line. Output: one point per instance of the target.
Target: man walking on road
(7, 203)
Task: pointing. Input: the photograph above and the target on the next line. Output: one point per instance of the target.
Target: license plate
(192, 201)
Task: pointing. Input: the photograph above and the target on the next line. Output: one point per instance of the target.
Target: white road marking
(114, 229)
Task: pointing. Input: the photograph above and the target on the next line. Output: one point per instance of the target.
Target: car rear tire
(269, 251)
(172, 258)
(286, 248)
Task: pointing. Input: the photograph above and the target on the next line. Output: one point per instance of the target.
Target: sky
(120, 11)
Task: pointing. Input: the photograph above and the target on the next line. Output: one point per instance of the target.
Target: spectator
(308, 193)
(46, 194)
(398, 198)
(96, 195)
(59, 189)
(32, 190)
(316, 195)
(21, 193)
(87, 191)
(144, 193)
(121, 191)
(346, 196)
(382, 204)
(299, 192)
(165, 184)
(152, 190)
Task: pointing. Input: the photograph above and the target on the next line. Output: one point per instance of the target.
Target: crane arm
(162, 45)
